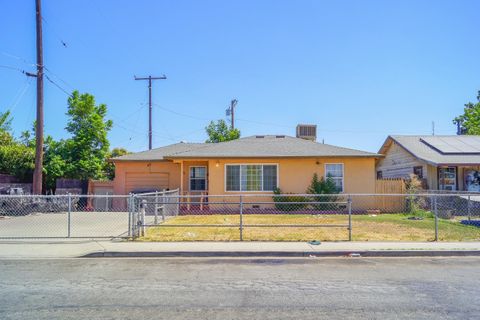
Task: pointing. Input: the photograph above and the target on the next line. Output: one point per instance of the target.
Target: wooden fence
(390, 186)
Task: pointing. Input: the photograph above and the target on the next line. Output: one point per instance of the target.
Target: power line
(59, 78)
(56, 34)
(57, 85)
(12, 68)
(18, 58)
(150, 78)
(265, 123)
(180, 114)
(33, 64)
(20, 94)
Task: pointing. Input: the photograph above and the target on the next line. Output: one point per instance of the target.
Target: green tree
(15, 158)
(88, 148)
(109, 166)
(18, 160)
(219, 132)
(55, 163)
(5, 128)
(469, 121)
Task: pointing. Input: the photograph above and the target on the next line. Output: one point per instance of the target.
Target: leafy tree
(219, 132)
(88, 148)
(83, 156)
(55, 164)
(110, 167)
(15, 158)
(5, 127)
(18, 160)
(469, 121)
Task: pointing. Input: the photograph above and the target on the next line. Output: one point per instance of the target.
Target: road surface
(314, 288)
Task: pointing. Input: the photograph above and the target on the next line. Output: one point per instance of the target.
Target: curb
(286, 254)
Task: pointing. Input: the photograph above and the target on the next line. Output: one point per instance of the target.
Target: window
(335, 172)
(379, 175)
(418, 171)
(198, 178)
(447, 178)
(251, 177)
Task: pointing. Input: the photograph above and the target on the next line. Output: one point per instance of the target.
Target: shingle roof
(159, 153)
(439, 150)
(268, 146)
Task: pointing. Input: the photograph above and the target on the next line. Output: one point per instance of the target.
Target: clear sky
(360, 70)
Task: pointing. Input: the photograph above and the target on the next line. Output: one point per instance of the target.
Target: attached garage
(146, 181)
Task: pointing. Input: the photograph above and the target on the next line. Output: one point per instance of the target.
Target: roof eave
(275, 156)
(135, 160)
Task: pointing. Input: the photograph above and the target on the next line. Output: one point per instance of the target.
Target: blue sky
(360, 70)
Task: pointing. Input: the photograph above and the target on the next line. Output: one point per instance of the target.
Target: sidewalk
(35, 249)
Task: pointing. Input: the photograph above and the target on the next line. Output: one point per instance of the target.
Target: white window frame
(190, 178)
(343, 173)
(240, 177)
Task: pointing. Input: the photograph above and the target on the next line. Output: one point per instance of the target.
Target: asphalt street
(173, 288)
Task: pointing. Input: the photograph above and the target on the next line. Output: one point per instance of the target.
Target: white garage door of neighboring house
(145, 181)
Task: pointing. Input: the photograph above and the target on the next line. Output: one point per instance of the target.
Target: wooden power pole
(233, 104)
(150, 78)
(37, 173)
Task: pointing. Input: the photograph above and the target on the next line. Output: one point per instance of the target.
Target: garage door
(138, 181)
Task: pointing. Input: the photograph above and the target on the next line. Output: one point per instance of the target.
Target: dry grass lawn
(384, 227)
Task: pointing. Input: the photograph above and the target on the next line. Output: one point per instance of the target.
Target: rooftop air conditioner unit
(307, 131)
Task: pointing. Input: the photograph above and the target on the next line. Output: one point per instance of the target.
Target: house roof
(158, 153)
(266, 146)
(439, 150)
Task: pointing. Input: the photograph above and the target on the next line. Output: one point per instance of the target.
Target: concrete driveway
(53, 225)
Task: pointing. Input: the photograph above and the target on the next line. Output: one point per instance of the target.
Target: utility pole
(37, 173)
(231, 112)
(150, 78)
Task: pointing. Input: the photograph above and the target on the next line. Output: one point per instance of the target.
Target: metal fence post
(164, 202)
(142, 213)
(241, 218)
(130, 213)
(436, 216)
(106, 202)
(349, 218)
(468, 209)
(69, 223)
(156, 208)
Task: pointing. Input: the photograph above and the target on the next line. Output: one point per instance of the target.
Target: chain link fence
(64, 216)
(307, 217)
(169, 216)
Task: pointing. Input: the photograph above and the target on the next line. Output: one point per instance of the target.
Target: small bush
(300, 202)
(415, 204)
(326, 187)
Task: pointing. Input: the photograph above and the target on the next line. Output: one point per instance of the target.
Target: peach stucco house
(255, 164)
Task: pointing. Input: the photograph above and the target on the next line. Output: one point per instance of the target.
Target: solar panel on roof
(454, 144)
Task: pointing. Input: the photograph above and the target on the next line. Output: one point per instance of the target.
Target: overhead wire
(64, 44)
(20, 94)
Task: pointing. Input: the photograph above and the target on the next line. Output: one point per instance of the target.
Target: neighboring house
(256, 164)
(444, 162)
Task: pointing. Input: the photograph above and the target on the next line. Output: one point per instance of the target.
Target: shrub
(415, 204)
(300, 202)
(326, 187)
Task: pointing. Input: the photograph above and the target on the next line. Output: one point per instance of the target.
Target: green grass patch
(382, 227)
